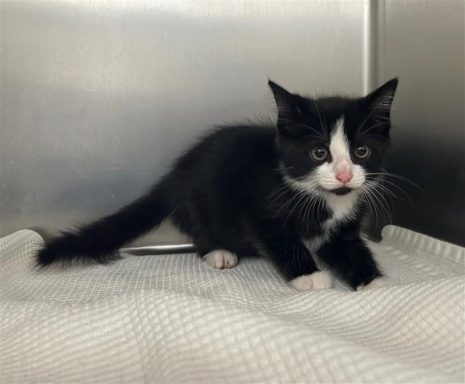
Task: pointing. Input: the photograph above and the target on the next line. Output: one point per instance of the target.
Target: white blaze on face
(340, 153)
(340, 172)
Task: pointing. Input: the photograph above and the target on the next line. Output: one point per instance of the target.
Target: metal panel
(424, 44)
(98, 97)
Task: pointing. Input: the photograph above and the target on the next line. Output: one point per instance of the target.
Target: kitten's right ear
(288, 109)
(381, 99)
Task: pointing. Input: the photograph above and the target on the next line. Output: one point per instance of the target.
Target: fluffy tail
(100, 240)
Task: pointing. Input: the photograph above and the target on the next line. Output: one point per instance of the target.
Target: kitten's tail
(100, 240)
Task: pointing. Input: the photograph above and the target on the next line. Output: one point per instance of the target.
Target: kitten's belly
(315, 243)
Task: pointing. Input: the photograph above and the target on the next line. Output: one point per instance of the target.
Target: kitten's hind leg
(220, 259)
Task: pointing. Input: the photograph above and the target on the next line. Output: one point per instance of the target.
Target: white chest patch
(343, 208)
(329, 175)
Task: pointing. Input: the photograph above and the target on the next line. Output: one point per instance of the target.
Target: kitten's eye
(319, 153)
(362, 152)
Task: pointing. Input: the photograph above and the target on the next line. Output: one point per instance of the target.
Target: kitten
(290, 193)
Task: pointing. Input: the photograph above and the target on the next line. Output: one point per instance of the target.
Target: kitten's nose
(344, 176)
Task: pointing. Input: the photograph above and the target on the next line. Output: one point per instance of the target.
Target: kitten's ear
(288, 109)
(380, 100)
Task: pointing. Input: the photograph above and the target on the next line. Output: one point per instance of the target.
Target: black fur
(229, 192)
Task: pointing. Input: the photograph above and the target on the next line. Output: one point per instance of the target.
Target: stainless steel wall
(98, 97)
(423, 43)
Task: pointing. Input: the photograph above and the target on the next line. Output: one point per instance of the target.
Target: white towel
(171, 319)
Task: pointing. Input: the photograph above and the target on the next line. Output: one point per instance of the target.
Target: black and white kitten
(290, 193)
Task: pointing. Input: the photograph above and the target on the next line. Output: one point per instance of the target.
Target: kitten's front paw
(220, 259)
(317, 280)
(379, 282)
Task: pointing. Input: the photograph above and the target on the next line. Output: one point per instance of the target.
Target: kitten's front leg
(348, 256)
(292, 258)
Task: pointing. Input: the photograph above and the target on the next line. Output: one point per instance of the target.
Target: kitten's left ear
(380, 100)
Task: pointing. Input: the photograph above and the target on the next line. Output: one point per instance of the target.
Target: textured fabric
(169, 319)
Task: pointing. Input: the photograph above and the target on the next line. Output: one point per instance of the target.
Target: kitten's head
(333, 144)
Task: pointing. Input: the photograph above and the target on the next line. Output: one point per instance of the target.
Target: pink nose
(344, 176)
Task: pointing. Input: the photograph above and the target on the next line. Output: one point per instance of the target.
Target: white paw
(220, 259)
(317, 280)
(379, 282)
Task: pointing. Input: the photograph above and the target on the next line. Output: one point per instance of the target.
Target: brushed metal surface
(424, 44)
(158, 249)
(98, 97)
(371, 30)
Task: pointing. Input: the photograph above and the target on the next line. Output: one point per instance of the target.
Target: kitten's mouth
(341, 191)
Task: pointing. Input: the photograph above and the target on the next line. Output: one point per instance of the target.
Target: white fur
(339, 145)
(379, 282)
(325, 174)
(339, 148)
(221, 259)
(317, 280)
(315, 243)
(342, 207)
